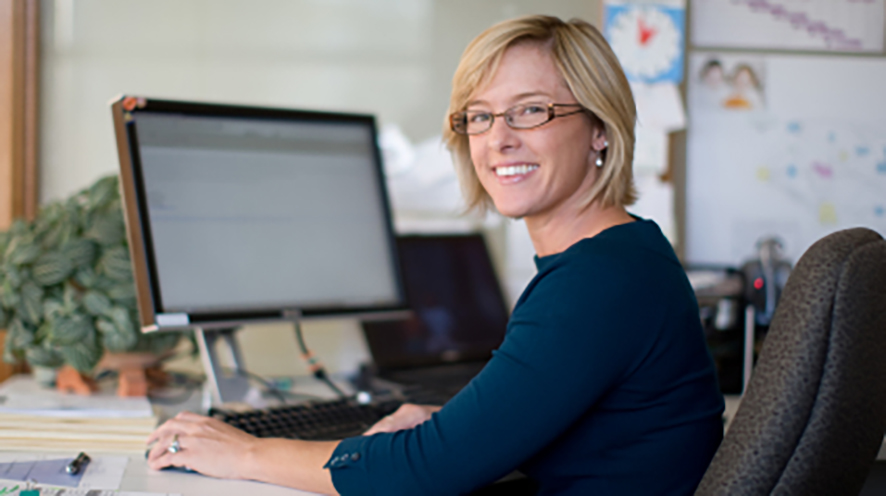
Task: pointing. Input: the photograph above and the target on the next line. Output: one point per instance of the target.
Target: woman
(603, 384)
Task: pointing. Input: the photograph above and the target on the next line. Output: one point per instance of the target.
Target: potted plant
(66, 289)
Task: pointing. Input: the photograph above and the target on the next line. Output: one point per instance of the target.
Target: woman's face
(743, 80)
(533, 172)
(714, 76)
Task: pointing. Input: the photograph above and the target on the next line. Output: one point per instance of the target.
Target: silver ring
(175, 447)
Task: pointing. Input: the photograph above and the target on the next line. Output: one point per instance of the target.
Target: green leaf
(4, 318)
(22, 250)
(83, 355)
(107, 229)
(41, 356)
(31, 306)
(114, 340)
(52, 309)
(159, 343)
(10, 353)
(123, 292)
(51, 268)
(115, 264)
(86, 277)
(120, 335)
(20, 336)
(58, 232)
(96, 303)
(81, 252)
(13, 274)
(70, 330)
(70, 298)
(120, 317)
(103, 192)
(9, 296)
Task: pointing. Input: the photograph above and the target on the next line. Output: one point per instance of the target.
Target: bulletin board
(786, 145)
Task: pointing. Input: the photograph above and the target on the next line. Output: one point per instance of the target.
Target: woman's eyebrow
(515, 98)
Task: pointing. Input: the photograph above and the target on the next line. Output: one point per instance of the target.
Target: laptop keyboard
(448, 379)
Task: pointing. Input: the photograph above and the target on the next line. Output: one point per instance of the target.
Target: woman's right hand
(406, 417)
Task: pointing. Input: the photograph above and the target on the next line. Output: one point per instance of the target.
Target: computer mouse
(173, 468)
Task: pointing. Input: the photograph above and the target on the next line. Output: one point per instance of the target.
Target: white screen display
(250, 214)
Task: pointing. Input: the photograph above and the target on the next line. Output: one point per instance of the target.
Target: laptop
(459, 315)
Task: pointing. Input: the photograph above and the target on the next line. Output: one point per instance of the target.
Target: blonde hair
(591, 71)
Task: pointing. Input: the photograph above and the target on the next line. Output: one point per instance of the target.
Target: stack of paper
(37, 419)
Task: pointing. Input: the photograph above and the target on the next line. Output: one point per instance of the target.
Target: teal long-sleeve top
(602, 385)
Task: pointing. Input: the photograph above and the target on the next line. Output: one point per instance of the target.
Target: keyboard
(317, 420)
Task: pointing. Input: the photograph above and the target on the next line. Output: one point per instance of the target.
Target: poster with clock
(648, 38)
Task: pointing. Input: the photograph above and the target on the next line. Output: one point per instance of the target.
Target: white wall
(393, 58)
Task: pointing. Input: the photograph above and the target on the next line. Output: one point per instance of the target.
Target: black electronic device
(459, 314)
(239, 214)
(720, 292)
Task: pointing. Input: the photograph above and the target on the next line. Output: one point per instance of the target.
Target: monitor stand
(226, 386)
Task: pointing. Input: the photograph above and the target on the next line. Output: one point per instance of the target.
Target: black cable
(314, 365)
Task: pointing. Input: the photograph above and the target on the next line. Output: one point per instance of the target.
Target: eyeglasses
(526, 116)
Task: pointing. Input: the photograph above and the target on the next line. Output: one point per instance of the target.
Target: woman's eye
(480, 117)
(533, 109)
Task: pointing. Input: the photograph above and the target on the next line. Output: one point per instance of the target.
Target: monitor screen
(241, 213)
(459, 311)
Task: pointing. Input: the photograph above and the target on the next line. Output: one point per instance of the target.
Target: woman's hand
(207, 445)
(406, 417)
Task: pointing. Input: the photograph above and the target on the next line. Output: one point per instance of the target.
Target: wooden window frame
(19, 99)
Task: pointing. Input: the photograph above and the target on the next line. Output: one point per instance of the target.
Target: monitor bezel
(138, 229)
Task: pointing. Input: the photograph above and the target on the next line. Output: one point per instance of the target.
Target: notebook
(459, 314)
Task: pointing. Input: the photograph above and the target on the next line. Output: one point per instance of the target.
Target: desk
(138, 477)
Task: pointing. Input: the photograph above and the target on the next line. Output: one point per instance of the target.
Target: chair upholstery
(813, 417)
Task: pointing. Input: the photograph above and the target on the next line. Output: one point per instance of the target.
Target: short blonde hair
(590, 70)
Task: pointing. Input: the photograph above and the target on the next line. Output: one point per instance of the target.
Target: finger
(386, 424)
(181, 423)
(165, 429)
(187, 416)
(180, 459)
(162, 446)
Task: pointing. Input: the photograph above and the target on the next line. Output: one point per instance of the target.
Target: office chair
(812, 419)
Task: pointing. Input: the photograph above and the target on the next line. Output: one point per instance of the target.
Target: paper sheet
(659, 107)
(103, 472)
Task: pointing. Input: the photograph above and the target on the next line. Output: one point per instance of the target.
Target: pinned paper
(659, 106)
(647, 37)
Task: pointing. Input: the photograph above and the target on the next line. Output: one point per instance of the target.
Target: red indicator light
(758, 283)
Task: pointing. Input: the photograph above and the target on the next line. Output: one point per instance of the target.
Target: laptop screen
(459, 311)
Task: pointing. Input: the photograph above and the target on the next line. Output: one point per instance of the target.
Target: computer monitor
(239, 214)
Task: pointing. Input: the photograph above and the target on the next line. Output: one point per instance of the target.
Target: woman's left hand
(207, 445)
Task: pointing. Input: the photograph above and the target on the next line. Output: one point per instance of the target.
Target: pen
(78, 464)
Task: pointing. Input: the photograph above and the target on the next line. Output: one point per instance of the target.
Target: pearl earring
(599, 161)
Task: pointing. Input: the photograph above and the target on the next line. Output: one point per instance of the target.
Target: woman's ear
(599, 141)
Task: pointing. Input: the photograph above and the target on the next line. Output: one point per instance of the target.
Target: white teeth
(514, 170)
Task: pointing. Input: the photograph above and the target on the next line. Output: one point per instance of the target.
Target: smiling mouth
(515, 170)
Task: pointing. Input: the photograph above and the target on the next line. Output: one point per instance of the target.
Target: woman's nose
(502, 136)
